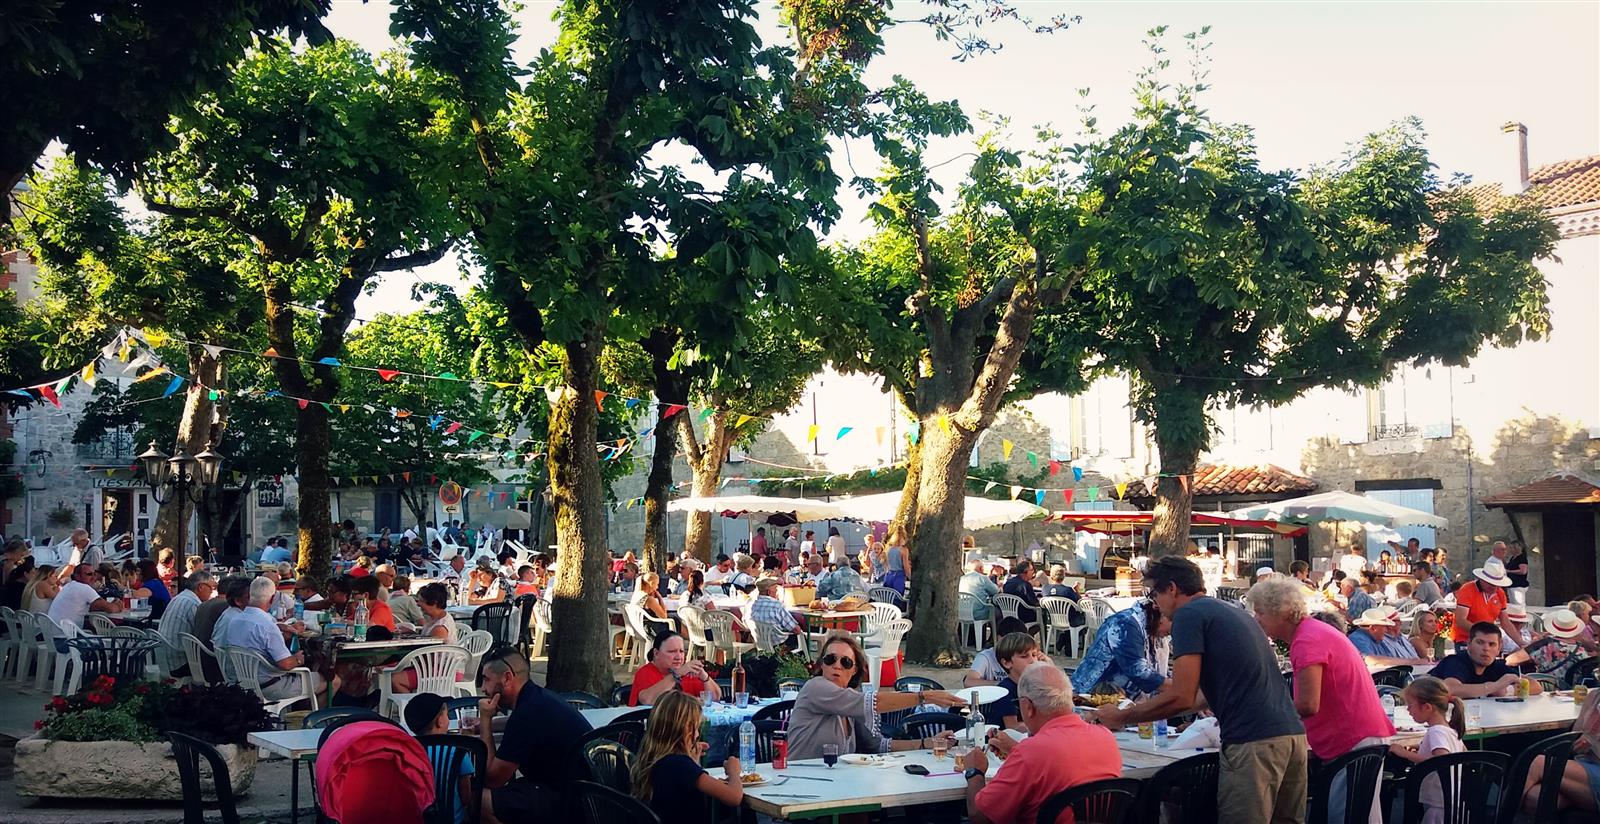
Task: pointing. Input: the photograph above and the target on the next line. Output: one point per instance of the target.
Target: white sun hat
(1493, 572)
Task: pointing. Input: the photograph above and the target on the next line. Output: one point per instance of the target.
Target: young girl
(1429, 702)
(667, 774)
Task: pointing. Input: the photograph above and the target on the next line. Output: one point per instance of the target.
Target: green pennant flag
(476, 434)
(1094, 494)
(1033, 459)
(706, 413)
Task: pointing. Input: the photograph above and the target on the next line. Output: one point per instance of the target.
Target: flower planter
(115, 770)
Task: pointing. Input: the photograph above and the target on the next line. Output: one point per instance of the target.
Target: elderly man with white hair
(978, 585)
(254, 629)
(1064, 751)
(198, 587)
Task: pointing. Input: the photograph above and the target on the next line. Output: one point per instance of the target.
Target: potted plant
(61, 516)
(89, 745)
(763, 671)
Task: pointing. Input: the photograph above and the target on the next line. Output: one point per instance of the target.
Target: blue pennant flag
(1077, 473)
(843, 431)
(435, 420)
(172, 387)
(274, 394)
(630, 403)
(330, 361)
(1038, 497)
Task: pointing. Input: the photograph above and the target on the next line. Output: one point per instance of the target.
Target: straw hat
(1563, 623)
(1517, 612)
(1375, 617)
(1493, 572)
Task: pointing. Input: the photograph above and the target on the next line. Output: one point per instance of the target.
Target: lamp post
(180, 479)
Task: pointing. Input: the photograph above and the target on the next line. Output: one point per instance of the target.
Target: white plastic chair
(967, 623)
(541, 628)
(694, 630)
(476, 642)
(437, 668)
(245, 666)
(1005, 605)
(1097, 610)
(890, 634)
(99, 623)
(619, 650)
(13, 640)
(720, 634)
(56, 663)
(1058, 611)
(883, 595)
(27, 643)
(195, 653)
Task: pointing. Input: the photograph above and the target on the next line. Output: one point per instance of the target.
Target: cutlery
(807, 778)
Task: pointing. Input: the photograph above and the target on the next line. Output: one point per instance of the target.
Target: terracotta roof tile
(1225, 479)
(1560, 488)
(1554, 186)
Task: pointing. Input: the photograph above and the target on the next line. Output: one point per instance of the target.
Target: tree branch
(412, 261)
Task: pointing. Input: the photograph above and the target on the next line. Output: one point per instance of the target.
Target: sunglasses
(843, 661)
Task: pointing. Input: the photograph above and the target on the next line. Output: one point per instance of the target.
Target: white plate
(754, 783)
(863, 759)
(986, 694)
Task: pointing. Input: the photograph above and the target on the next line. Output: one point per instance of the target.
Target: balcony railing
(1407, 431)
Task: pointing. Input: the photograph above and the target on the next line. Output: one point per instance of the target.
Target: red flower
(104, 682)
(39, 725)
(57, 703)
(99, 698)
(142, 689)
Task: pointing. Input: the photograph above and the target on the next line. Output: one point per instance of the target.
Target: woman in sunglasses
(831, 708)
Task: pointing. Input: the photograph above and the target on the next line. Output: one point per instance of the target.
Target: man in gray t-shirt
(1219, 650)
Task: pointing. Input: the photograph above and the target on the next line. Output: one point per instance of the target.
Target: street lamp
(180, 478)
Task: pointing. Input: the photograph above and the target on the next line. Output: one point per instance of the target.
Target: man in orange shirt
(1483, 599)
(378, 613)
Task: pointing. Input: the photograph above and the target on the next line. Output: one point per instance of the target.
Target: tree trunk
(1179, 415)
(580, 655)
(194, 435)
(904, 514)
(707, 474)
(935, 546)
(313, 440)
(547, 520)
(655, 497)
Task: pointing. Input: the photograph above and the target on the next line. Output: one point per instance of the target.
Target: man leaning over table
(1063, 752)
(1219, 649)
(1477, 671)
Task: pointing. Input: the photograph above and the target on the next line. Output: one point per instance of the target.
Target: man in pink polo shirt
(1063, 751)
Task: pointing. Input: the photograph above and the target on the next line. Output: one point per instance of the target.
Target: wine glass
(830, 754)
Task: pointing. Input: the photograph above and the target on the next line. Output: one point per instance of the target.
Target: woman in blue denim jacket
(1129, 652)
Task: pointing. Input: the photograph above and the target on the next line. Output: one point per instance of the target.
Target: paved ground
(267, 801)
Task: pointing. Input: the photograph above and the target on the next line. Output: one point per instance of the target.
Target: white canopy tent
(981, 513)
(1341, 506)
(803, 509)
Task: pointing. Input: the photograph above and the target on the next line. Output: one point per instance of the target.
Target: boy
(1016, 652)
(427, 714)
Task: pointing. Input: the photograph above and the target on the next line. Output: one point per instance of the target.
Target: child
(527, 581)
(428, 714)
(1015, 652)
(667, 774)
(1430, 702)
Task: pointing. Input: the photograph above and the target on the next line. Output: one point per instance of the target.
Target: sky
(1310, 78)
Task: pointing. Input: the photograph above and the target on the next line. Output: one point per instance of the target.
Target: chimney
(1516, 174)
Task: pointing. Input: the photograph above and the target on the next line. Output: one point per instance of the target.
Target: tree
(325, 164)
(105, 272)
(947, 302)
(1214, 282)
(103, 77)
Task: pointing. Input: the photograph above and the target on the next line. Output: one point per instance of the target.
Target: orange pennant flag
(402, 413)
(270, 353)
(599, 400)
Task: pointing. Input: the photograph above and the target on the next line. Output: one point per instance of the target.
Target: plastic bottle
(1161, 733)
(747, 743)
(360, 631)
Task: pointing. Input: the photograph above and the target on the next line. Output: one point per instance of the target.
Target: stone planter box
(116, 770)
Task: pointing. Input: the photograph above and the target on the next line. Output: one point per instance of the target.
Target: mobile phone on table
(916, 769)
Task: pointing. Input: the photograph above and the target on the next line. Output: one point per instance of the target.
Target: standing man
(1483, 600)
(1218, 649)
(84, 552)
(791, 544)
(758, 544)
(1354, 563)
(1427, 590)
(1517, 571)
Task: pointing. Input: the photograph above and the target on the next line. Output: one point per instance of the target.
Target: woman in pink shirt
(1333, 691)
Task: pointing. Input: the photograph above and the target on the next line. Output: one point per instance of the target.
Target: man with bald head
(1062, 751)
(84, 552)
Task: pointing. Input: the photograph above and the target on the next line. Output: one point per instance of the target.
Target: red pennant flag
(599, 400)
(673, 409)
(49, 394)
(303, 403)
(433, 480)
(387, 374)
(1055, 467)
(407, 476)
(454, 425)
(1066, 495)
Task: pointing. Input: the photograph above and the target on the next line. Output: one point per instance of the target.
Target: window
(1413, 403)
(1104, 423)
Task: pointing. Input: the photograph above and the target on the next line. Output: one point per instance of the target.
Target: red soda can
(780, 750)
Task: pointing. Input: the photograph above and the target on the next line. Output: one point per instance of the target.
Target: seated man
(1064, 751)
(721, 572)
(403, 604)
(77, 599)
(978, 585)
(767, 609)
(379, 614)
(1378, 640)
(428, 714)
(811, 572)
(1478, 672)
(1020, 584)
(669, 669)
(840, 582)
(540, 740)
(254, 629)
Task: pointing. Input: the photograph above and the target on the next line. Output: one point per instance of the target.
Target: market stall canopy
(981, 513)
(734, 506)
(1341, 506)
(509, 519)
(1125, 521)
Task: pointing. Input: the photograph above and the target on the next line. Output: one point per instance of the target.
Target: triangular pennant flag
(325, 405)
(302, 402)
(476, 434)
(49, 394)
(273, 393)
(811, 433)
(374, 480)
(1094, 494)
(451, 429)
(501, 384)
(213, 350)
(743, 419)
(212, 395)
(330, 361)
(172, 386)
(914, 431)
(1122, 490)
(88, 374)
(155, 338)
(61, 385)
(1015, 491)
(1005, 448)
(1038, 497)
(724, 482)
(387, 374)
(877, 433)
(127, 349)
(269, 352)
(1066, 495)
(647, 432)
(706, 413)
(944, 423)
(344, 408)
(334, 481)
(434, 420)
(402, 413)
(1077, 473)
(1033, 458)
(1055, 468)
(988, 486)
(600, 400)
(157, 372)
(843, 431)
(672, 409)
(630, 403)
(406, 476)
(447, 376)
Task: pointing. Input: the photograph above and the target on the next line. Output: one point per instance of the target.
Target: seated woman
(667, 774)
(669, 670)
(439, 623)
(1126, 652)
(831, 709)
(648, 595)
(694, 591)
(1424, 636)
(150, 586)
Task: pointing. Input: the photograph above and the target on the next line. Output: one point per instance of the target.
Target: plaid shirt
(769, 610)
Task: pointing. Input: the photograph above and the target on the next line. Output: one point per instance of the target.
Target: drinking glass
(1474, 714)
(830, 754)
(960, 756)
(469, 720)
(741, 699)
(941, 745)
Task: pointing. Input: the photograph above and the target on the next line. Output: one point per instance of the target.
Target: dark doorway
(386, 511)
(1569, 564)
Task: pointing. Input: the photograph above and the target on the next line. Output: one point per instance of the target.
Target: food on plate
(1095, 700)
(751, 778)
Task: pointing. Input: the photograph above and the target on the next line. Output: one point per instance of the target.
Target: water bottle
(299, 610)
(747, 743)
(1388, 705)
(361, 620)
(1161, 733)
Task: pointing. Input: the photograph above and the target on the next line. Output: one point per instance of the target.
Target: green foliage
(103, 77)
(106, 710)
(867, 482)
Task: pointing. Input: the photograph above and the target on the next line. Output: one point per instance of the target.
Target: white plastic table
(295, 745)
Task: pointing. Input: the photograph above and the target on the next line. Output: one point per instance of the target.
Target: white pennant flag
(1015, 491)
(213, 350)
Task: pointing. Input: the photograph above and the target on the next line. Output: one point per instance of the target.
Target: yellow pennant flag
(156, 338)
(88, 373)
(126, 350)
(344, 407)
(944, 423)
(1005, 448)
(743, 419)
(811, 433)
(161, 370)
(1122, 489)
(878, 431)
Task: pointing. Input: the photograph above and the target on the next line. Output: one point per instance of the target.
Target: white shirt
(91, 554)
(836, 551)
(715, 575)
(1353, 566)
(72, 603)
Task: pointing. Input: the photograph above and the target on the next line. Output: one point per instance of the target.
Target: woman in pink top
(1333, 691)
